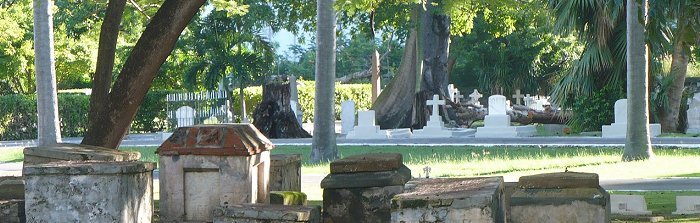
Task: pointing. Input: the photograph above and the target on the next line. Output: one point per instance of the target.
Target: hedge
(18, 116)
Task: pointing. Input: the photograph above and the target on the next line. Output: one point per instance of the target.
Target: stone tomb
(89, 192)
(285, 172)
(628, 205)
(12, 199)
(267, 213)
(359, 188)
(497, 122)
(618, 129)
(75, 152)
(366, 129)
(687, 205)
(559, 197)
(203, 167)
(450, 200)
(434, 128)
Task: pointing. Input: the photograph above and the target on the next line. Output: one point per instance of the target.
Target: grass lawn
(661, 203)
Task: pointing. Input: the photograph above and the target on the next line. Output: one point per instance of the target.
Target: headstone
(285, 172)
(366, 129)
(687, 205)
(75, 152)
(298, 114)
(434, 127)
(517, 96)
(559, 197)
(451, 90)
(497, 122)
(263, 213)
(359, 188)
(529, 101)
(376, 78)
(450, 200)
(458, 97)
(347, 116)
(474, 98)
(89, 192)
(628, 205)
(293, 92)
(203, 167)
(618, 129)
(185, 116)
(693, 114)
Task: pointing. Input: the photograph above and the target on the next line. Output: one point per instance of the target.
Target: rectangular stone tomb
(559, 197)
(264, 213)
(285, 172)
(89, 192)
(628, 205)
(360, 188)
(687, 205)
(12, 211)
(450, 200)
(75, 152)
(206, 166)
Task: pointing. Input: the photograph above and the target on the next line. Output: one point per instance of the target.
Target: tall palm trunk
(44, 61)
(638, 143)
(324, 147)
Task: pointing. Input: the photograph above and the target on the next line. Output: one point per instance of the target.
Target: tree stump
(274, 116)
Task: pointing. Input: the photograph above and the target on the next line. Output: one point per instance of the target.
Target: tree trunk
(274, 116)
(679, 69)
(638, 142)
(324, 147)
(44, 60)
(101, 80)
(435, 45)
(467, 114)
(139, 70)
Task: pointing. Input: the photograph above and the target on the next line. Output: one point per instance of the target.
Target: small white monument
(618, 129)
(517, 97)
(628, 205)
(347, 116)
(458, 97)
(687, 205)
(366, 129)
(474, 98)
(497, 122)
(185, 116)
(434, 127)
(451, 91)
(693, 114)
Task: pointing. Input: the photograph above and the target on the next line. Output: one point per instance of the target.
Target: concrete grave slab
(267, 213)
(628, 205)
(75, 152)
(364, 163)
(11, 187)
(687, 205)
(366, 128)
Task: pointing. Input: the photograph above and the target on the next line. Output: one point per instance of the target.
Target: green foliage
(17, 117)
(152, 115)
(72, 111)
(595, 110)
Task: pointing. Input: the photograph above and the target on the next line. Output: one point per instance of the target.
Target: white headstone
(618, 129)
(621, 111)
(497, 122)
(185, 116)
(628, 205)
(451, 91)
(687, 205)
(517, 96)
(474, 97)
(435, 103)
(497, 105)
(366, 129)
(693, 114)
(347, 116)
(434, 128)
(297, 112)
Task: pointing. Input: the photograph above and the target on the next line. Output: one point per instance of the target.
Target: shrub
(591, 112)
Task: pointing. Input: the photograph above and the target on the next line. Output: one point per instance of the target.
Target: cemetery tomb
(12, 199)
(628, 205)
(360, 188)
(559, 197)
(347, 116)
(474, 98)
(687, 205)
(12, 211)
(434, 128)
(203, 167)
(366, 129)
(497, 122)
(285, 172)
(693, 116)
(450, 200)
(79, 191)
(618, 129)
(75, 152)
(267, 213)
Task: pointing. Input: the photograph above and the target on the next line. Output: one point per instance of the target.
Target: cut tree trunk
(468, 114)
(274, 116)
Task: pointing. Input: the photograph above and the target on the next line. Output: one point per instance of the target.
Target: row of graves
(225, 173)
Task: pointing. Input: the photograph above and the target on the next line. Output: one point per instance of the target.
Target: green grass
(11, 155)
(661, 203)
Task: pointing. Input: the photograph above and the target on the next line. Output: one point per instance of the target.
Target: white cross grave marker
(517, 96)
(458, 97)
(435, 103)
(474, 97)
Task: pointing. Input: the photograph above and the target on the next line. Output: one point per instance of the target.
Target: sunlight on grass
(11, 155)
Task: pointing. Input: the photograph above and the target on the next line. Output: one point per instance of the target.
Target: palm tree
(324, 147)
(47, 100)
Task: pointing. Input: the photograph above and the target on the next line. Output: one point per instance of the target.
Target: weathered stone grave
(11, 199)
(434, 128)
(75, 152)
(450, 200)
(497, 122)
(687, 205)
(628, 205)
(285, 172)
(366, 128)
(693, 116)
(560, 197)
(267, 213)
(206, 166)
(618, 129)
(83, 191)
(359, 188)
(347, 116)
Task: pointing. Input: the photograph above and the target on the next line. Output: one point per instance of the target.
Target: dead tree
(467, 114)
(274, 116)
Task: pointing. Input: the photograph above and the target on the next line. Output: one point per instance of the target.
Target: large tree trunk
(679, 69)
(324, 147)
(274, 116)
(139, 70)
(435, 46)
(638, 142)
(467, 114)
(44, 61)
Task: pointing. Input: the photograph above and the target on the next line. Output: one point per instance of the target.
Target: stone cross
(427, 170)
(517, 96)
(435, 103)
(458, 97)
(474, 97)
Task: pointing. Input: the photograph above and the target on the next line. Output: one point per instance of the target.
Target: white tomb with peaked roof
(618, 129)
(366, 129)
(434, 128)
(497, 122)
